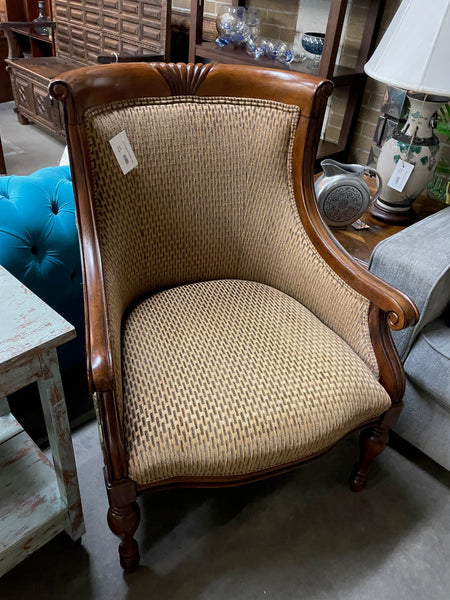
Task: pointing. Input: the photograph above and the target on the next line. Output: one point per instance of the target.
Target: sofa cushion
(428, 363)
(416, 260)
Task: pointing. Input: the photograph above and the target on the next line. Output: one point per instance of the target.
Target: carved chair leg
(372, 442)
(123, 522)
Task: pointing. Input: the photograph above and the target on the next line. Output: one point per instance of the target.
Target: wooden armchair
(229, 336)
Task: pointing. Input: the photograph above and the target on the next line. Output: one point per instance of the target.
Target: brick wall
(372, 100)
(353, 28)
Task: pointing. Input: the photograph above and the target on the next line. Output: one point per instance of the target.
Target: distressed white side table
(38, 499)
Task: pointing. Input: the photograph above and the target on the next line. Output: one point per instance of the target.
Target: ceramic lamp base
(417, 145)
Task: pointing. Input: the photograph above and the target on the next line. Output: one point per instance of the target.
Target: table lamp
(413, 55)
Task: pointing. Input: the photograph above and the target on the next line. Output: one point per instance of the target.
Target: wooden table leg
(2, 160)
(4, 406)
(58, 429)
(9, 427)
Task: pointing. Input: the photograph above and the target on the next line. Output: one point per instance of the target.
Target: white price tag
(123, 152)
(358, 224)
(400, 176)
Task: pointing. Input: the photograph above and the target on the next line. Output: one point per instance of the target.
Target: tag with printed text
(123, 152)
(400, 176)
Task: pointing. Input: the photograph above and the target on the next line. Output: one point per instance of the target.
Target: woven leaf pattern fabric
(229, 377)
(211, 197)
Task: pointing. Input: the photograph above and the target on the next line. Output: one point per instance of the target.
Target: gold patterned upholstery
(250, 228)
(225, 378)
(229, 336)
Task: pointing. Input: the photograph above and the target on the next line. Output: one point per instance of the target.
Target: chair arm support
(400, 311)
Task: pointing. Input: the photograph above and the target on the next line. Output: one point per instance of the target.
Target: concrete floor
(26, 147)
(303, 535)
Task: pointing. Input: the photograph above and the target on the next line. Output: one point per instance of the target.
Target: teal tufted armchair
(39, 245)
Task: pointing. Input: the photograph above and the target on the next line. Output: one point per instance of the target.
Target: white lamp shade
(414, 53)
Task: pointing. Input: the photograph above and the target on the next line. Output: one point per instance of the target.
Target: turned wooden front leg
(123, 520)
(372, 443)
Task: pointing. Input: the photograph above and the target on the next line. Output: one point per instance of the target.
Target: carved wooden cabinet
(85, 30)
(90, 28)
(30, 78)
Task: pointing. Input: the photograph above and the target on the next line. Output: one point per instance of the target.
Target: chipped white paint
(38, 499)
(9, 427)
(31, 511)
(28, 326)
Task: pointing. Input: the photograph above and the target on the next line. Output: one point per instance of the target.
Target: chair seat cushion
(225, 378)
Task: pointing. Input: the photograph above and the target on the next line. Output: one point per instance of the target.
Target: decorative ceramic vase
(42, 17)
(313, 43)
(416, 144)
(341, 192)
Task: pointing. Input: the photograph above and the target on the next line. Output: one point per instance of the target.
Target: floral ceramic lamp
(413, 55)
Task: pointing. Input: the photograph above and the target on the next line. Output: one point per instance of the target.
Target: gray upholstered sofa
(417, 261)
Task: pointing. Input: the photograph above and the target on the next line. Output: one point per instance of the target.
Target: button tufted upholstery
(39, 245)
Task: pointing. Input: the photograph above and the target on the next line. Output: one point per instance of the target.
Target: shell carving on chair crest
(183, 79)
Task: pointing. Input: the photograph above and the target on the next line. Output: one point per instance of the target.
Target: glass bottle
(42, 17)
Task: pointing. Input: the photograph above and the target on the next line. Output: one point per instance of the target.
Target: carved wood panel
(88, 28)
(32, 100)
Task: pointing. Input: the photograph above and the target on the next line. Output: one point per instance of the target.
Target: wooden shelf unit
(19, 15)
(25, 42)
(20, 11)
(23, 10)
(341, 76)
